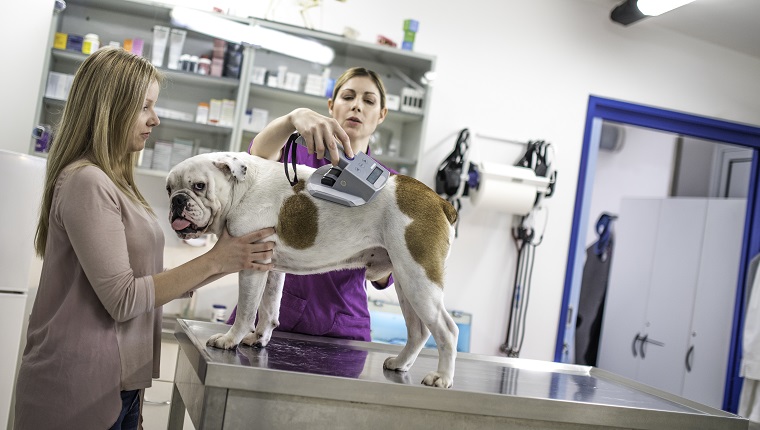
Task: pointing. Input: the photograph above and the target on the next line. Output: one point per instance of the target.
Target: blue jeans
(129, 418)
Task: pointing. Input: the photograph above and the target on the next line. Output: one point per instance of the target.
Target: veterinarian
(330, 304)
(93, 340)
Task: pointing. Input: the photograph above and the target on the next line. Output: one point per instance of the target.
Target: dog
(406, 229)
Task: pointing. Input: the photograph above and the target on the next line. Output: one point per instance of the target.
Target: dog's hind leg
(424, 307)
(269, 311)
(250, 289)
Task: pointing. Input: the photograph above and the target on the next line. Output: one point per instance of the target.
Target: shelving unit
(116, 20)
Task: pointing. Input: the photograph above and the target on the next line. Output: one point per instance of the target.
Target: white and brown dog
(406, 229)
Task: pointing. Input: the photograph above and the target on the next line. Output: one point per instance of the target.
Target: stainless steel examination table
(320, 383)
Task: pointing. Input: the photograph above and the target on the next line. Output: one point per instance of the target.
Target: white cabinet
(670, 299)
(117, 20)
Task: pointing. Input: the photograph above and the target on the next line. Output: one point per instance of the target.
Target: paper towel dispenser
(513, 189)
(509, 189)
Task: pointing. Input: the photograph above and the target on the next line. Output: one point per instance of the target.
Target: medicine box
(162, 153)
(74, 42)
(182, 149)
(214, 111)
(145, 160)
(227, 116)
(411, 100)
(58, 85)
(60, 40)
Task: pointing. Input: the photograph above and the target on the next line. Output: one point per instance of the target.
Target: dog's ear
(232, 166)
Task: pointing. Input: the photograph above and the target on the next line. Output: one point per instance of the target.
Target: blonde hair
(103, 105)
(360, 71)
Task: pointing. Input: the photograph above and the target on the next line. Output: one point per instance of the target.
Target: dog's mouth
(183, 226)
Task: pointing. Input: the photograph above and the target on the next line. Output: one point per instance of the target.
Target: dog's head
(199, 192)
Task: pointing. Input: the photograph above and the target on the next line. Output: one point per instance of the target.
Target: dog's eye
(199, 186)
(168, 190)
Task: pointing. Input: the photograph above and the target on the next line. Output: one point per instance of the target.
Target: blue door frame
(688, 125)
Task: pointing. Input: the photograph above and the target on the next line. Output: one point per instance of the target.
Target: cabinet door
(628, 288)
(707, 354)
(672, 289)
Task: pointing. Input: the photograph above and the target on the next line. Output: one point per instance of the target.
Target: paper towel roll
(507, 189)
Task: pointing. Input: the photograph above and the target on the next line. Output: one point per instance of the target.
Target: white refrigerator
(22, 179)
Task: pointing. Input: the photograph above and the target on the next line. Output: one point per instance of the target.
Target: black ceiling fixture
(627, 13)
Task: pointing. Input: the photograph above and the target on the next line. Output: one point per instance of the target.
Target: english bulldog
(406, 229)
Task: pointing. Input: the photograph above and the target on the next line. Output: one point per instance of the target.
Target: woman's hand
(321, 133)
(247, 252)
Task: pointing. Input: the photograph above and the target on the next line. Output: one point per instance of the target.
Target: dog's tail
(450, 211)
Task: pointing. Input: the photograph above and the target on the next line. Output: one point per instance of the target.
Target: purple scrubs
(330, 304)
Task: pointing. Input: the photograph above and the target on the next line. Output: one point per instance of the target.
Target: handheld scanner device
(353, 182)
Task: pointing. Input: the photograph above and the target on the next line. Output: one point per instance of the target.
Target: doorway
(600, 110)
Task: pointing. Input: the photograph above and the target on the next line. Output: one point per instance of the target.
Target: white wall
(642, 168)
(521, 70)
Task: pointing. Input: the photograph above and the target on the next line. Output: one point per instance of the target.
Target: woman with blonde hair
(93, 340)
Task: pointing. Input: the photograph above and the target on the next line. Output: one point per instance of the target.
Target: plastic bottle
(91, 43)
(218, 313)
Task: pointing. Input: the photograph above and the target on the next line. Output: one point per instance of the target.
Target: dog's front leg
(269, 311)
(250, 288)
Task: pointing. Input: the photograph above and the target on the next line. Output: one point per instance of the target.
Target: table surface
(346, 370)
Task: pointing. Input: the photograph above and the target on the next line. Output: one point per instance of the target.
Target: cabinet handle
(153, 403)
(633, 346)
(688, 358)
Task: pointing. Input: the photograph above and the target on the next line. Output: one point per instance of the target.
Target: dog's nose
(179, 200)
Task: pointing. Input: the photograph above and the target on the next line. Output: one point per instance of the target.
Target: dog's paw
(254, 339)
(222, 341)
(435, 379)
(393, 363)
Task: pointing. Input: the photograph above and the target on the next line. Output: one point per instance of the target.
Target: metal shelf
(176, 76)
(315, 102)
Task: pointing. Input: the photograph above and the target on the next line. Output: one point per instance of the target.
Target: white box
(227, 117)
(173, 114)
(176, 44)
(411, 100)
(393, 101)
(182, 149)
(259, 75)
(292, 81)
(160, 39)
(315, 85)
(259, 119)
(145, 160)
(58, 85)
(215, 111)
(162, 153)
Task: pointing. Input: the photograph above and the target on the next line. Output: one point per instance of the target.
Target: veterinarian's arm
(318, 131)
(229, 255)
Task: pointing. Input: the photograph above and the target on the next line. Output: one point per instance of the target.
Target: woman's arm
(229, 255)
(319, 132)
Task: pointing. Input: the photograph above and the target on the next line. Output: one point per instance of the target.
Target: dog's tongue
(180, 224)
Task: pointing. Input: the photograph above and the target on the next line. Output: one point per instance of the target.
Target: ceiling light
(218, 26)
(658, 7)
(631, 11)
